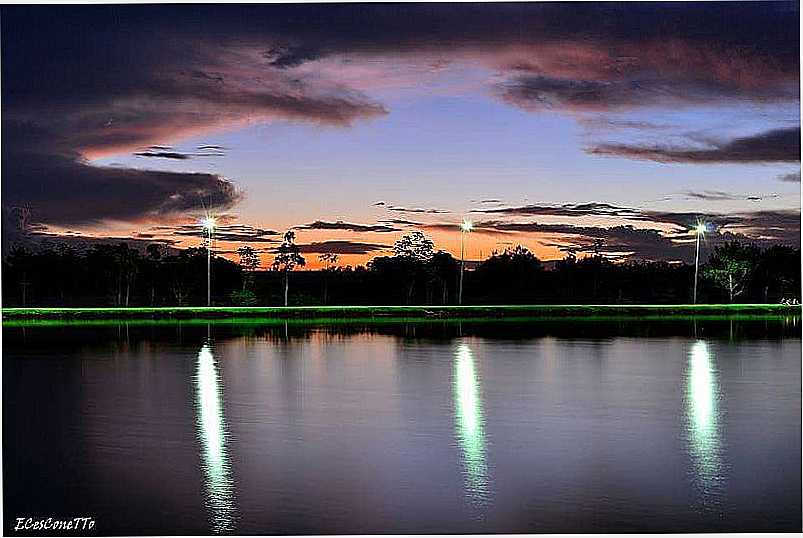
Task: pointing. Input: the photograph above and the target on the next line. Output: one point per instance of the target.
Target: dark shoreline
(386, 312)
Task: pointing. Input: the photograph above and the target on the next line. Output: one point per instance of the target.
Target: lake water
(184, 428)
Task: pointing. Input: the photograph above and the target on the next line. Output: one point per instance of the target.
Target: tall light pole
(465, 227)
(699, 231)
(208, 224)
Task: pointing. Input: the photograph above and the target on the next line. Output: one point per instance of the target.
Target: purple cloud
(779, 145)
(348, 226)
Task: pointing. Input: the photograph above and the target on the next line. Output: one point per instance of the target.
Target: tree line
(416, 273)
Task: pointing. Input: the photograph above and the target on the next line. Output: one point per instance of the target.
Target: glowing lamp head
(208, 223)
(701, 228)
(466, 226)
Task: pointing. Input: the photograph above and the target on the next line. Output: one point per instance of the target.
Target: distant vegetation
(118, 275)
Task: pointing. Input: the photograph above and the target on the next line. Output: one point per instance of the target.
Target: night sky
(548, 125)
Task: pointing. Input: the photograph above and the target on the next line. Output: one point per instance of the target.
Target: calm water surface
(431, 428)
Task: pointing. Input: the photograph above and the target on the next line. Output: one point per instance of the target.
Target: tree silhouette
(443, 270)
(120, 265)
(414, 245)
(778, 271)
(567, 267)
(22, 261)
(396, 274)
(250, 262)
(288, 257)
(730, 267)
(510, 275)
(330, 260)
(153, 267)
(411, 254)
(54, 274)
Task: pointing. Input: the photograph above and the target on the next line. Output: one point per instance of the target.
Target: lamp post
(465, 227)
(699, 231)
(208, 224)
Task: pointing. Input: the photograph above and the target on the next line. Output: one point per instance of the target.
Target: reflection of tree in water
(290, 351)
(593, 330)
(91, 335)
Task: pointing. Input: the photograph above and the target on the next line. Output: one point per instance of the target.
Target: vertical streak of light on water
(211, 430)
(703, 420)
(470, 425)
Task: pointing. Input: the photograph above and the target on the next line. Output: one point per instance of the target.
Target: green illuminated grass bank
(385, 312)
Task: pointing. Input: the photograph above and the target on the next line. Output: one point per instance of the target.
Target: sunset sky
(548, 125)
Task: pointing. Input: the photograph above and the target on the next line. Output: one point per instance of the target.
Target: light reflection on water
(704, 431)
(470, 425)
(211, 430)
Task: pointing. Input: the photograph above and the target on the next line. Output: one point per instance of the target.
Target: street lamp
(208, 223)
(699, 231)
(465, 227)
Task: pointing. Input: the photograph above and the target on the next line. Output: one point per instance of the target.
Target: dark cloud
(127, 76)
(36, 238)
(340, 225)
(793, 177)
(401, 222)
(713, 195)
(779, 145)
(81, 241)
(593, 55)
(651, 244)
(61, 188)
(540, 92)
(85, 242)
(235, 233)
(123, 81)
(624, 241)
(285, 56)
(646, 236)
(723, 196)
(163, 155)
(211, 150)
(781, 226)
(770, 226)
(611, 58)
(162, 152)
(615, 92)
(341, 247)
(442, 226)
(775, 225)
(565, 210)
(598, 56)
(214, 77)
(607, 123)
(757, 198)
(621, 241)
(416, 210)
(48, 170)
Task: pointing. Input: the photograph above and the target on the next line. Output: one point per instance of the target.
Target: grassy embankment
(409, 312)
